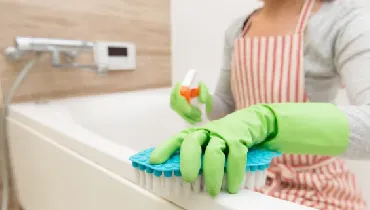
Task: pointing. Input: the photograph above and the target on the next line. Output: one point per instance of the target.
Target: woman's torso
(324, 28)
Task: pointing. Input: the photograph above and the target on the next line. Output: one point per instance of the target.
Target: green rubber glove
(189, 112)
(292, 128)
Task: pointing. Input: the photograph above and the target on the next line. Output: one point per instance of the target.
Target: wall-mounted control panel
(115, 55)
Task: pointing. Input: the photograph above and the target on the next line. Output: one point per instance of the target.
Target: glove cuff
(308, 128)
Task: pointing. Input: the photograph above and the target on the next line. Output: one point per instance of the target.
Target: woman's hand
(189, 112)
(233, 135)
(293, 128)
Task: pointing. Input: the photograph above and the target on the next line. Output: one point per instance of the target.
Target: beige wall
(147, 23)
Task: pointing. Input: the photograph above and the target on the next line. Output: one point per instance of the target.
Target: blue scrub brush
(165, 179)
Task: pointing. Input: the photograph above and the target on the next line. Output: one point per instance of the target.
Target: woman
(283, 66)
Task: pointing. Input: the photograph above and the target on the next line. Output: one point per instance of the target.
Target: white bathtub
(73, 154)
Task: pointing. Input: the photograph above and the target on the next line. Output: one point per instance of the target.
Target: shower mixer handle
(48, 44)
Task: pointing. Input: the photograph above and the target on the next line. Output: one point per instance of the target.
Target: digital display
(117, 51)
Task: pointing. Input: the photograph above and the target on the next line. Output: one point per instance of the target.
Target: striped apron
(269, 69)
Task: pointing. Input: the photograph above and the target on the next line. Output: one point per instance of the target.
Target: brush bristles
(175, 185)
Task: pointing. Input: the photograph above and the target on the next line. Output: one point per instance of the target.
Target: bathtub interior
(138, 119)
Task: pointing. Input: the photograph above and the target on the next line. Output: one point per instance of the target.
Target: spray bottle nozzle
(186, 90)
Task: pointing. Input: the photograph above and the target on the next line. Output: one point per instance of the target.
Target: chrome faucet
(70, 49)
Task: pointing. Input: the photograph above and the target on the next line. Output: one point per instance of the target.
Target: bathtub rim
(160, 202)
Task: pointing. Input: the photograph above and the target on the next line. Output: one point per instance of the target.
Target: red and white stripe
(270, 70)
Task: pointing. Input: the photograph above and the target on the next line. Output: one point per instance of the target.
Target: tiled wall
(147, 23)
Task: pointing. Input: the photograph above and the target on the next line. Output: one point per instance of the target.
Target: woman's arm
(352, 59)
(223, 101)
